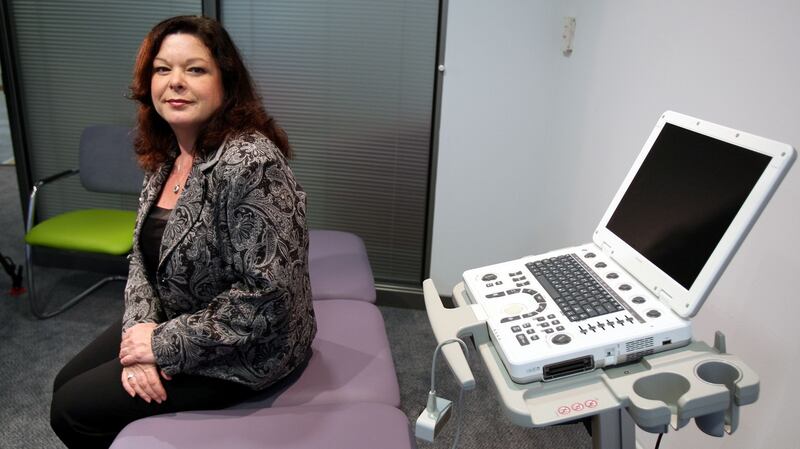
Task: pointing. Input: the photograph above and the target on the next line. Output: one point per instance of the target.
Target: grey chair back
(107, 161)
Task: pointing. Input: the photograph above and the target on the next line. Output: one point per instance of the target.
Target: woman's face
(186, 87)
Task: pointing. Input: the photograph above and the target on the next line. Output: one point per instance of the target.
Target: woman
(218, 300)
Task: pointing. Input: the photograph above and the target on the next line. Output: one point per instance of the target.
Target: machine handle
(446, 325)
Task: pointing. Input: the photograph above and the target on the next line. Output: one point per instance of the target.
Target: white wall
(522, 126)
(496, 112)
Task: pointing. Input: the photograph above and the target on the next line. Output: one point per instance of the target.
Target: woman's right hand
(142, 379)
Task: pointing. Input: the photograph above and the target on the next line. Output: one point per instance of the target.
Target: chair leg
(32, 298)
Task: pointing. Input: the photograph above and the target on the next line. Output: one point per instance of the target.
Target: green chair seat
(105, 231)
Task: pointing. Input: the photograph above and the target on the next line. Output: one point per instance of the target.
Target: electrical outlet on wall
(567, 35)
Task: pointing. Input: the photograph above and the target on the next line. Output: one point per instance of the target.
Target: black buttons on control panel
(653, 313)
(600, 265)
(624, 287)
(575, 289)
(489, 277)
(612, 275)
(561, 339)
(589, 255)
(522, 339)
(638, 300)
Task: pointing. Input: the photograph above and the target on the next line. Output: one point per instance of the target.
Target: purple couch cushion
(339, 267)
(347, 426)
(351, 361)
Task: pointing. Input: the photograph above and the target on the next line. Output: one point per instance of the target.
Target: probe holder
(661, 390)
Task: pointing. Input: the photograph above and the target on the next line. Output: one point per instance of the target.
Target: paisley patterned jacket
(231, 293)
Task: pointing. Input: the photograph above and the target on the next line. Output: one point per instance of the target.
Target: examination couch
(347, 395)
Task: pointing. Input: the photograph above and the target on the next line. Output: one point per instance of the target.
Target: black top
(150, 238)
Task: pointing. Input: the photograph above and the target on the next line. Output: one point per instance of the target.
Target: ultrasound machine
(545, 324)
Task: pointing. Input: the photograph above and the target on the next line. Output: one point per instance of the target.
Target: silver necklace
(178, 186)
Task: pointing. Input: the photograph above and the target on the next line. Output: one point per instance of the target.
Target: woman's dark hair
(241, 108)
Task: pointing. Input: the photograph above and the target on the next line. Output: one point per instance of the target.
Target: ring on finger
(131, 376)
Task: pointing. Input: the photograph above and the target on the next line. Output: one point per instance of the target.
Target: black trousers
(90, 406)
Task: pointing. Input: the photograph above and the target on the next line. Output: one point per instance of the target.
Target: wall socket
(567, 36)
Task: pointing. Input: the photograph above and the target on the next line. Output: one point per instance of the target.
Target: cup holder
(719, 373)
(665, 387)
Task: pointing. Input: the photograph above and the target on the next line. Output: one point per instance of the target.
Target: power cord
(658, 441)
(438, 410)
(15, 272)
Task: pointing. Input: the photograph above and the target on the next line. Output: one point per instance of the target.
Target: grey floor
(31, 353)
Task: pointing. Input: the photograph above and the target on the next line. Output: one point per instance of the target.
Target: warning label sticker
(576, 407)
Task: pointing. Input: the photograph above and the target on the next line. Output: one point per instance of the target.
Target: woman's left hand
(136, 346)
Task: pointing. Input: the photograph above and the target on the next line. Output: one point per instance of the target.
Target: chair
(361, 425)
(107, 165)
(339, 266)
(347, 396)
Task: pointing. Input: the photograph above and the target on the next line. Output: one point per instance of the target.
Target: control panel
(570, 311)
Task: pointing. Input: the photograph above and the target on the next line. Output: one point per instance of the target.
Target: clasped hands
(139, 372)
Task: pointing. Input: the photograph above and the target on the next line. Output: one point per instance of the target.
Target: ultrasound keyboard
(570, 311)
(579, 293)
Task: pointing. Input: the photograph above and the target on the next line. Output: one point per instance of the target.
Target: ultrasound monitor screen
(683, 198)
